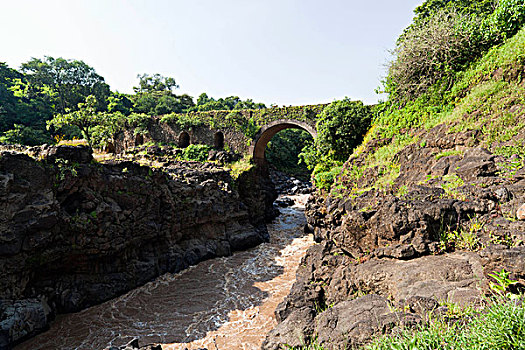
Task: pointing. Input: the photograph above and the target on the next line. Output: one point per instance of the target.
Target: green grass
(501, 325)
(481, 99)
(240, 166)
(384, 158)
(311, 346)
(508, 56)
(475, 89)
(487, 107)
(447, 153)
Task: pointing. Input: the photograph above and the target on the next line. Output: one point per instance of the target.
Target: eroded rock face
(386, 259)
(75, 233)
(22, 318)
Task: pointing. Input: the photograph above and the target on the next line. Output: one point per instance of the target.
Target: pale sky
(288, 52)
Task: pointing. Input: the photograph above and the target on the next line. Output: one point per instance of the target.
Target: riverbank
(223, 303)
(75, 232)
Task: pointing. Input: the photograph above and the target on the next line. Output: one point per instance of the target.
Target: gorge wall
(74, 232)
(388, 258)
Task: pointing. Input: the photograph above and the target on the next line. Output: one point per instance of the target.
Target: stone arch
(268, 131)
(139, 139)
(184, 139)
(218, 140)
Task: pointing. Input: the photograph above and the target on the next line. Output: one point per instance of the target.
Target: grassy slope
(489, 97)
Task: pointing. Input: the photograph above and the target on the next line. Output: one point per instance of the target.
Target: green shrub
(183, 121)
(25, 135)
(341, 127)
(325, 179)
(432, 52)
(444, 39)
(284, 149)
(506, 20)
(196, 152)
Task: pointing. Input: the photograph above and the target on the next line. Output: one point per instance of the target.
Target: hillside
(424, 221)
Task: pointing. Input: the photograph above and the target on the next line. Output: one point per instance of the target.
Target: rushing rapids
(224, 303)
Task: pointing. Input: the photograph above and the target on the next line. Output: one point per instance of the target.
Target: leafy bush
(183, 121)
(325, 179)
(25, 135)
(284, 148)
(341, 127)
(444, 39)
(506, 20)
(196, 152)
(85, 118)
(432, 51)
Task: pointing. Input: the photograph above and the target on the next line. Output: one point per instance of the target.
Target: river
(223, 303)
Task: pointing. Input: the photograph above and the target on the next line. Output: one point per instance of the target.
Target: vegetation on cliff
(438, 178)
(501, 325)
(477, 87)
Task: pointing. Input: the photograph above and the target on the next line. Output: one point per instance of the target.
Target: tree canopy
(155, 83)
(84, 118)
(71, 81)
(66, 91)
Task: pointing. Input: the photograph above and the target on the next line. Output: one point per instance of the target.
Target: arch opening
(267, 132)
(139, 140)
(184, 139)
(218, 140)
(283, 150)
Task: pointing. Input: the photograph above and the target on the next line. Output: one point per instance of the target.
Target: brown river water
(223, 303)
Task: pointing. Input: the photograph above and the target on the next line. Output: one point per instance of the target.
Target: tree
(431, 7)
(155, 83)
(186, 102)
(284, 149)
(35, 104)
(85, 118)
(71, 80)
(25, 135)
(8, 101)
(154, 96)
(203, 99)
(119, 103)
(23, 103)
(205, 103)
(341, 127)
(167, 103)
(432, 52)
(444, 38)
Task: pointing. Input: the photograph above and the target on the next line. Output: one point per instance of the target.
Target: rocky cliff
(387, 257)
(74, 232)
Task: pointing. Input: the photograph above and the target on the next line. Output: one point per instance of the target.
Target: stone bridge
(215, 129)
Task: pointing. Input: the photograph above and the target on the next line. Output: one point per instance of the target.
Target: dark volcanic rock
(21, 319)
(75, 233)
(352, 323)
(73, 154)
(433, 237)
(294, 331)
